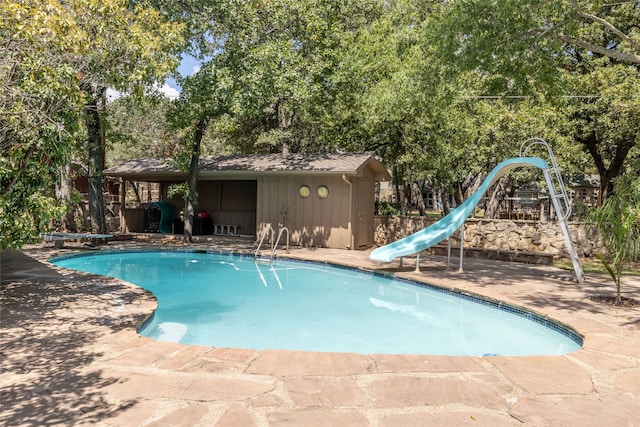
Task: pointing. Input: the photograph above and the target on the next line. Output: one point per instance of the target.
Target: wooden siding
(132, 220)
(363, 212)
(312, 221)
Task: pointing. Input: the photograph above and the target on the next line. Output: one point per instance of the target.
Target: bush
(388, 208)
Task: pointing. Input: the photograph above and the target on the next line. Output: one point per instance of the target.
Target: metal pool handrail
(266, 232)
(282, 230)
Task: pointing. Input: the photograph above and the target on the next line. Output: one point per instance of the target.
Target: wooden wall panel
(133, 219)
(312, 221)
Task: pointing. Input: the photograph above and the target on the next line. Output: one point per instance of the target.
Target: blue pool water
(227, 300)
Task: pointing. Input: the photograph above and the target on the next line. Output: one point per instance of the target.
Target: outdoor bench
(225, 229)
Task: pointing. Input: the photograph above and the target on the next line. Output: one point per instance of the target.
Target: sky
(170, 88)
(188, 67)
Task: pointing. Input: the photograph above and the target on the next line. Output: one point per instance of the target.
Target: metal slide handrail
(563, 209)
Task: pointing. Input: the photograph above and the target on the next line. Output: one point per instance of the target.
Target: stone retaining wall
(516, 235)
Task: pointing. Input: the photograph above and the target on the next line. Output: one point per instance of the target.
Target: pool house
(325, 200)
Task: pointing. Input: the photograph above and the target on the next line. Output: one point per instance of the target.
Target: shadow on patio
(50, 327)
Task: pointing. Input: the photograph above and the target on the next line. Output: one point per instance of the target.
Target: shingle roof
(211, 166)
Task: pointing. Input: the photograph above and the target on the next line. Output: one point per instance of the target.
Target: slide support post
(461, 248)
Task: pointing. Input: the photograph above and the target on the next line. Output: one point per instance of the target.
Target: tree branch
(611, 53)
(609, 26)
(23, 165)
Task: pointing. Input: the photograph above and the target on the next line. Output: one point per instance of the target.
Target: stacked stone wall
(499, 234)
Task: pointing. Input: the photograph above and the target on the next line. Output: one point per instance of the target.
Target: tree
(564, 49)
(396, 95)
(283, 56)
(604, 121)
(264, 62)
(136, 127)
(57, 59)
(38, 118)
(382, 95)
(127, 47)
(521, 43)
(205, 96)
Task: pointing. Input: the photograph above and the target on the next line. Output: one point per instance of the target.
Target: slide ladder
(559, 199)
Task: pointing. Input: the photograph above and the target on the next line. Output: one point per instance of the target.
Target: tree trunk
(95, 166)
(497, 196)
(474, 183)
(458, 195)
(191, 198)
(285, 121)
(618, 155)
(438, 200)
(136, 192)
(63, 193)
(446, 203)
(396, 183)
(417, 196)
(406, 199)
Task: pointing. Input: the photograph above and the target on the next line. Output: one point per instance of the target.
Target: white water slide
(439, 231)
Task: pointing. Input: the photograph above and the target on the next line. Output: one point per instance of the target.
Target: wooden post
(123, 198)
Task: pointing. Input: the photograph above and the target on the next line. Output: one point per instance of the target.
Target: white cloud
(195, 69)
(168, 91)
(113, 94)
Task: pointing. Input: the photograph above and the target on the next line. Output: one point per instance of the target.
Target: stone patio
(71, 356)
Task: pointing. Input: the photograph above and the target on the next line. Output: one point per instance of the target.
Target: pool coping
(136, 381)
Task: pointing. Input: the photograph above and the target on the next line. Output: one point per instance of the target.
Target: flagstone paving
(70, 355)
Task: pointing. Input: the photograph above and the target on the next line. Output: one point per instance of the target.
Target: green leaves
(618, 222)
(137, 127)
(577, 60)
(281, 57)
(53, 57)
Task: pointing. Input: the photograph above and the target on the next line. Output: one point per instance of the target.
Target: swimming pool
(226, 300)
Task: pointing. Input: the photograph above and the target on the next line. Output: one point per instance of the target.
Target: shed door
(364, 214)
